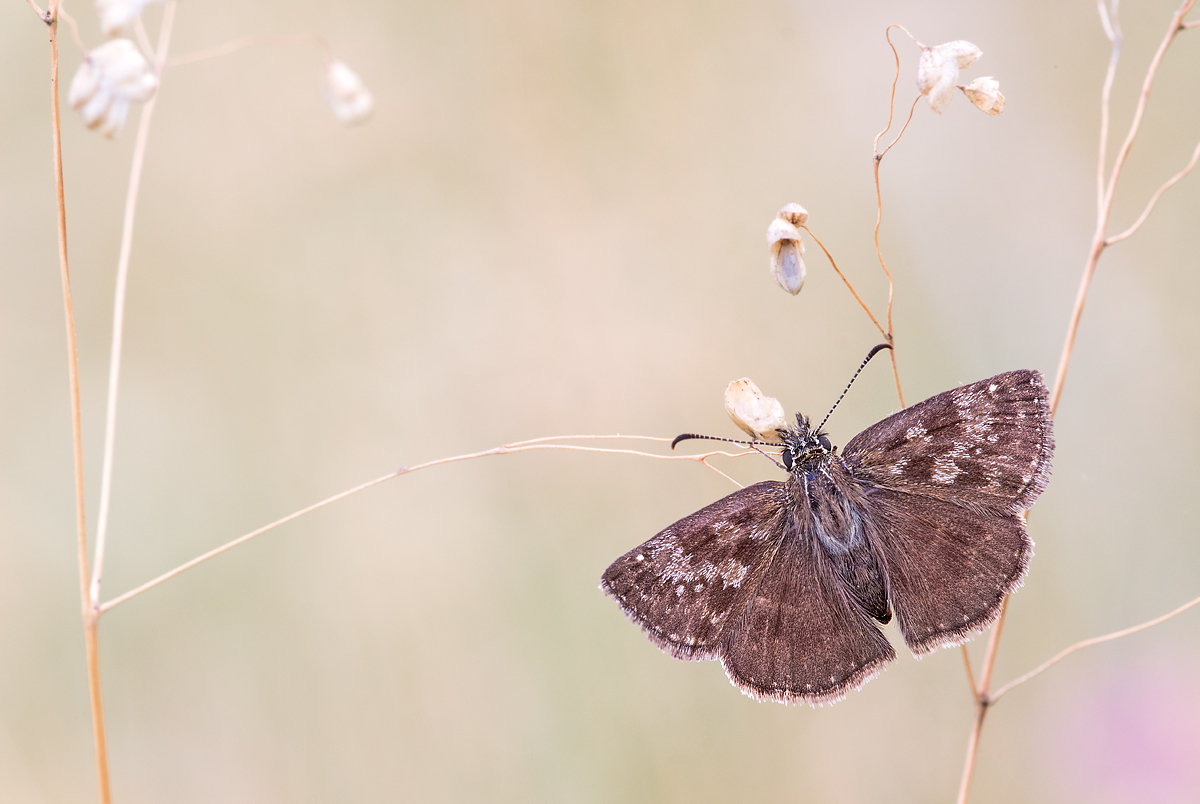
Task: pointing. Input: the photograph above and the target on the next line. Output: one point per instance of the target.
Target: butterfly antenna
(690, 436)
(754, 445)
(866, 360)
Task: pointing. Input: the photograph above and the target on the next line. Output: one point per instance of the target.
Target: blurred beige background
(554, 224)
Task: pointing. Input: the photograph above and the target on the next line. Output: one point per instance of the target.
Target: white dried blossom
(350, 99)
(757, 415)
(112, 76)
(985, 93)
(787, 248)
(117, 15)
(937, 71)
(794, 214)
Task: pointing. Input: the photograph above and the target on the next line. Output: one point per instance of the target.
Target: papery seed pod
(757, 415)
(787, 254)
(110, 78)
(117, 15)
(937, 70)
(794, 214)
(963, 52)
(348, 96)
(985, 93)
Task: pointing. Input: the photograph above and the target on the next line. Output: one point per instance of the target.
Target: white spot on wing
(945, 470)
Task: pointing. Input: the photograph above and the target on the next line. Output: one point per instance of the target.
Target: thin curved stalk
(252, 41)
(1112, 29)
(854, 292)
(90, 618)
(522, 446)
(114, 365)
(970, 672)
(1168, 184)
(889, 335)
(1065, 652)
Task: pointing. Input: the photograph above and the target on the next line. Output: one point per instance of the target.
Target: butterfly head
(804, 448)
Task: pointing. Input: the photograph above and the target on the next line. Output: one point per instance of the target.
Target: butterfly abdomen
(827, 514)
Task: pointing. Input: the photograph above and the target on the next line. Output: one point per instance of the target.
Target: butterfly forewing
(688, 584)
(986, 444)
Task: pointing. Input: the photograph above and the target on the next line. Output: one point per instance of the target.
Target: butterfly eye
(787, 459)
(825, 445)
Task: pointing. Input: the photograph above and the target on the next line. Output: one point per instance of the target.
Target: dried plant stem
(1106, 191)
(1058, 657)
(859, 299)
(252, 41)
(878, 157)
(964, 786)
(982, 703)
(1112, 29)
(970, 673)
(507, 449)
(90, 616)
(143, 38)
(1105, 200)
(38, 10)
(1117, 238)
(63, 15)
(114, 366)
(891, 338)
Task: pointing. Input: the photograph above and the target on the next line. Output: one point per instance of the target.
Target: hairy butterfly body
(920, 517)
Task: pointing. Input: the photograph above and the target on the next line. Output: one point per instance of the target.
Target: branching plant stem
(1108, 191)
(1105, 191)
(1065, 652)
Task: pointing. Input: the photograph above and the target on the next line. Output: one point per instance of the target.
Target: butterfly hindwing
(948, 567)
(687, 584)
(802, 638)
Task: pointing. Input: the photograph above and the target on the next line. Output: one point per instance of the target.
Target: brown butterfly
(921, 515)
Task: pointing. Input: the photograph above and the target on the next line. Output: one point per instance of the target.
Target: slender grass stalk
(114, 366)
(91, 617)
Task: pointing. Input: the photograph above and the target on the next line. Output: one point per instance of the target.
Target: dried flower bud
(985, 93)
(937, 71)
(787, 248)
(110, 78)
(759, 416)
(350, 99)
(794, 214)
(117, 15)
